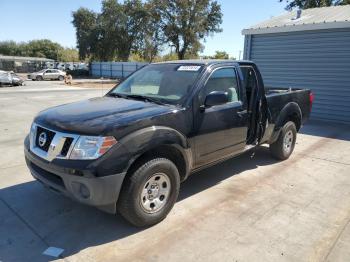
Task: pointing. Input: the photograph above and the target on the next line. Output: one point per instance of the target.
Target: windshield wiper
(118, 95)
(145, 98)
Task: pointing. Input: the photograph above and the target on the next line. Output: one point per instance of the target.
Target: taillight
(311, 97)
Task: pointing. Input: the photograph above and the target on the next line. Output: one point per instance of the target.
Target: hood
(98, 116)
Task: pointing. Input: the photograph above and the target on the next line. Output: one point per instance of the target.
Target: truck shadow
(62, 223)
(327, 129)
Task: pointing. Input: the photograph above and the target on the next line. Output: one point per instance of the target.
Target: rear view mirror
(216, 98)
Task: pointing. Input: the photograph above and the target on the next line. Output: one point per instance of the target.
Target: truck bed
(270, 91)
(277, 98)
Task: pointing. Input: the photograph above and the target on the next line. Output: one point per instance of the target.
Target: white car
(47, 74)
(10, 79)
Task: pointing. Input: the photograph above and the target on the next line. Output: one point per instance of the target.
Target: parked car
(60, 66)
(47, 74)
(129, 150)
(10, 79)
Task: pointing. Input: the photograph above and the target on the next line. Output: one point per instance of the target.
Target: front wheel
(150, 192)
(39, 78)
(61, 78)
(283, 147)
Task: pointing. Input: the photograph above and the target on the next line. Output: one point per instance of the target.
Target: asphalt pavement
(250, 208)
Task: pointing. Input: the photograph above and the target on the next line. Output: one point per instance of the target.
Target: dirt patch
(94, 84)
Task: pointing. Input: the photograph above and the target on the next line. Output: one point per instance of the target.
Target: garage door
(319, 60)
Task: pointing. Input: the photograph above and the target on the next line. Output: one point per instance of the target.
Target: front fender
(151, 136)
(131, 146)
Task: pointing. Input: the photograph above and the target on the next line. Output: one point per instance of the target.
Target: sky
(24, 20)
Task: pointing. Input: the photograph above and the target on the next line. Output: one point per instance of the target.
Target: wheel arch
(158, 141)
(290, 112)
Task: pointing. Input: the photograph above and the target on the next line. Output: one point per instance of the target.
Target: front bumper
(101, 192)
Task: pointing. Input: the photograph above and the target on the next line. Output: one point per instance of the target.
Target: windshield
(168, 83)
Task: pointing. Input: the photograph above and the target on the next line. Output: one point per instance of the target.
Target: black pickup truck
(129, 150)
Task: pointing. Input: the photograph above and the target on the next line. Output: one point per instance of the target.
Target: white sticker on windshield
(189, 68)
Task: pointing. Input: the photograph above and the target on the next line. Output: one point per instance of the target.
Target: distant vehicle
(50, 65)
(10, 79)
(70, 66)
(82, 66)
(60, 66)
(47, 74)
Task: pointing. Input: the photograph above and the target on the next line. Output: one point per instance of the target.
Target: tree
(39, 48)
(185, 23)
(305, 4)
(34, 48)
(44, 48)
(114, 33)
(85, 23)
(153, 37)
(9, 48)
(68, 55)
(342, 2)
(221, 55)
(126, 23)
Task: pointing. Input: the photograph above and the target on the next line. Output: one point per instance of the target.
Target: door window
(249, 80)
(224, 79)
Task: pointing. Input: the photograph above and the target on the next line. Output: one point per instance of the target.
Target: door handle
(241, 113)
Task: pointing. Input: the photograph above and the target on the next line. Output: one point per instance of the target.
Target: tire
(60, 78)
(39, 78)
(283, 147)
(136, 197)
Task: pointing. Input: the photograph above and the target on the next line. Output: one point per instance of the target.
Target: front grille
(66, 146)
(48, 134)
(57, 180)
(50, 144)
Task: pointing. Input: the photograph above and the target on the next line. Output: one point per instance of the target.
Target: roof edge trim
(296, 28)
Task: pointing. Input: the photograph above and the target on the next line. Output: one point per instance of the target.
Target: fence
(114, 69)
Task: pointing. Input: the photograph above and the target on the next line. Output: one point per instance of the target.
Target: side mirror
(216, 98)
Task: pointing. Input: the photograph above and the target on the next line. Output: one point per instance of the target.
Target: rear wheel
(150, 192)
(283, 147)
(39, 78)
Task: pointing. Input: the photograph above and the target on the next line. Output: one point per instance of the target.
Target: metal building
(23, 64)
(307, 49)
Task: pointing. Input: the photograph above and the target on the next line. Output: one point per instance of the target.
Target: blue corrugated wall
(319, 60)
(114, 69)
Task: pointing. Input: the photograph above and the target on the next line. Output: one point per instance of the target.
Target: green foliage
(145, 27)
(305, 4)
(68, 55)
(342, 2)
(37, 48)
(186, 23)
(85, 22)
(9, 48)
(221, 55)
(43, 48)
(112, 34)
(167, 57)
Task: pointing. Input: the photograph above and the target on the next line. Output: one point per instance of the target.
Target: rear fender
(289, 110)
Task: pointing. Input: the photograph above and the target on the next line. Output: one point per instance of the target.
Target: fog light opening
(84, 191)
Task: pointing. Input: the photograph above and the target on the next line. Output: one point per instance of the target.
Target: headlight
(32, 134)
(91, 147)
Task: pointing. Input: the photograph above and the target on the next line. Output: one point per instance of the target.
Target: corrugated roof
(310, 19)
(25, 58)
